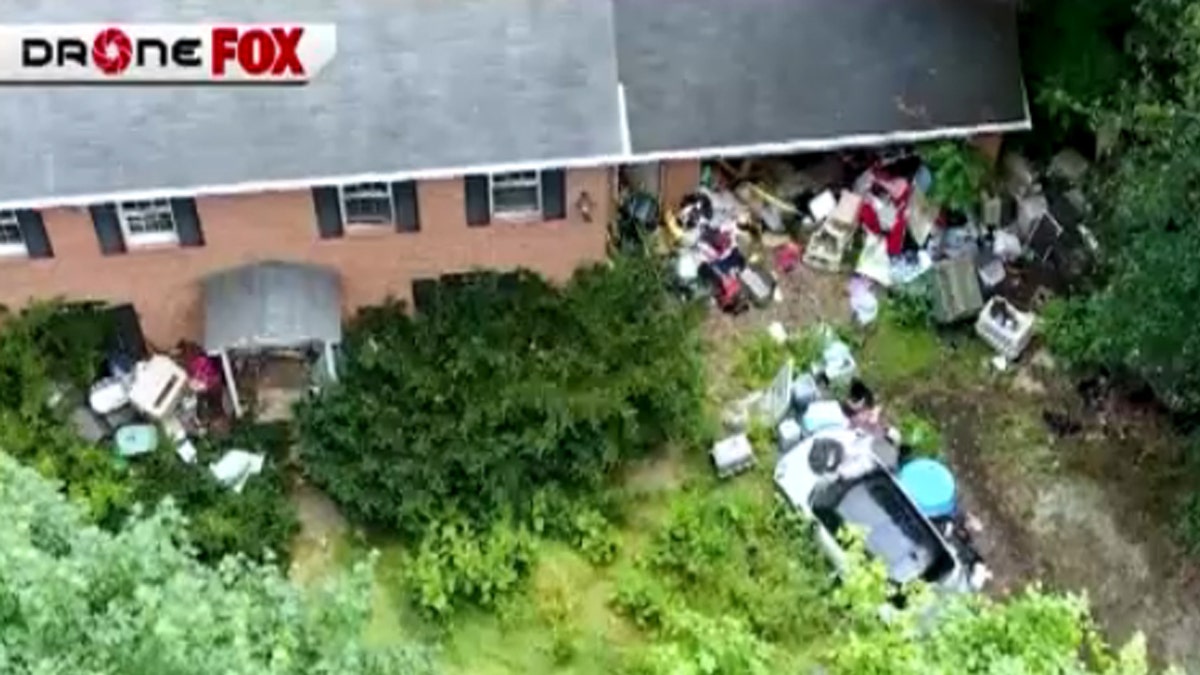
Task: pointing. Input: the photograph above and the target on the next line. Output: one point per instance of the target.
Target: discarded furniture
(158, 385)
(732, 455)
(1006, 329)
(956, 293)
(827, 247)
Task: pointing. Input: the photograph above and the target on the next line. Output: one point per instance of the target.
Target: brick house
(447, 136)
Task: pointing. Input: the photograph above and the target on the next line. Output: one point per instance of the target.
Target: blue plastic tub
(931, 486)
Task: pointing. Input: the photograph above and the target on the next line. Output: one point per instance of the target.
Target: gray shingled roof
(416, 84)
(428, 85)
(708, 73)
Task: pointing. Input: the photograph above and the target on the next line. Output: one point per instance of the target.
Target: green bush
(697, 644)
(1071, 331)
(457, 564)
(734, 555)
(579, 521)
(959, 174)
(908, 309)
(759, 356)
(922, 434)
(507, 386)
(259, 522)
(642, 598)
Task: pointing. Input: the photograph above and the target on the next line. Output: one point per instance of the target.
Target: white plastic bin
(1006, 329)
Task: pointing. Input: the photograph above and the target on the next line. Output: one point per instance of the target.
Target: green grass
(892, 355)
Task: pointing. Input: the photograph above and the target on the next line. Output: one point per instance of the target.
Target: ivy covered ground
(1061, 510)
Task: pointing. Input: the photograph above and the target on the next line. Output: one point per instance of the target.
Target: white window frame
(387, 193)
(157, 207)
(508, 180)
(8, 218)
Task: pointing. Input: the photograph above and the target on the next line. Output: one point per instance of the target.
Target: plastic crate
(1005, 328)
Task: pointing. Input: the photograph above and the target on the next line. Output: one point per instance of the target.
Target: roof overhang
(271, 305)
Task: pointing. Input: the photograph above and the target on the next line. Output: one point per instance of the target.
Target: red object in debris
(727, 290)
(895, 236)
(787, 257)
(204, 373)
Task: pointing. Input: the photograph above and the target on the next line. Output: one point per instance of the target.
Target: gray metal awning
(272, 305)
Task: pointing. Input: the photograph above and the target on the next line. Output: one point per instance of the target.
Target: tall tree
(78, 599)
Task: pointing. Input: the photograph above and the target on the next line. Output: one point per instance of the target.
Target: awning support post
(329, 364)
(231, 383)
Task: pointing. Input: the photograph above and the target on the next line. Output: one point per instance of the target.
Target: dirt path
(1085, 513)
(1078, 513)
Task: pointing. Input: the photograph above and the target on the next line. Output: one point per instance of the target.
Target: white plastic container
(1006, 329)
(732, 455)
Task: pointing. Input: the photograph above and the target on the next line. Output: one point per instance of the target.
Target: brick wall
(238, 229)
(679, 179)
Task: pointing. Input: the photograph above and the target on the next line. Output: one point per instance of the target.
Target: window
(516, 194)
(12, 240)
(148, 221)
(367, 204)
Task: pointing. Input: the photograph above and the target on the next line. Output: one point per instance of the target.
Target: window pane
(523, 178)
(369, 210)
(148, 216)
(515, 200)
(10, 229)
(367, 203)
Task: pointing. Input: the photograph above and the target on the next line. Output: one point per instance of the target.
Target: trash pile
(144, 396)
(872, 215)
(833, 443)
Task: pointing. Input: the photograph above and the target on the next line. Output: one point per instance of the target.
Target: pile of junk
(840, 462)
(143, 401)
(871, 214)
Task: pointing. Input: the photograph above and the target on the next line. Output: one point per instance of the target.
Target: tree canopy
(78, 599)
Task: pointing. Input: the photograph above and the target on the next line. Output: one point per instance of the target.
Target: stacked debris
(871, 214)
(824, 406)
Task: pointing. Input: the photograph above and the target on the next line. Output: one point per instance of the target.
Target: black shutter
(33, 231)
(187, 221)
(424, 294)
(479, 202)
(329, 211)
(404, 203)
(554, 194)
(108, 228)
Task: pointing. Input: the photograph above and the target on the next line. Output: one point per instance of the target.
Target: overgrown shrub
(258, 522)
(1070, 329)
(457, 564)
(733, 555)
(921, 434)
(908, 309)
(507, 386)
(579, 521)
(695, 643)
(959, 174)
(759, 356)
